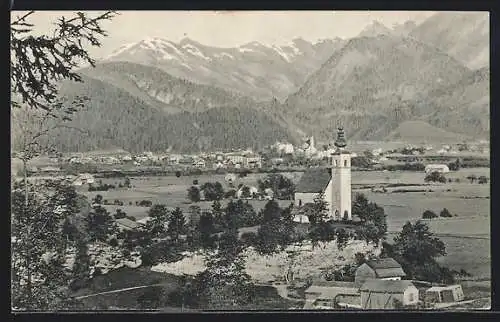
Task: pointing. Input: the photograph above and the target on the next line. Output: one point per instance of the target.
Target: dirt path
(119, 290)
(450, 235)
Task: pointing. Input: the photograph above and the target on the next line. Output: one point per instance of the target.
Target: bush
(429, 214)
(230, 194)
(249, 238)
(131, 218)
(445, 213)
(113, 242)
(178, 174)
(435, 177)
(195, 182)
(145, 203)
(120, 214)
(482, 180)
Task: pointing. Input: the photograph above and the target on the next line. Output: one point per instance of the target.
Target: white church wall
(341, 189)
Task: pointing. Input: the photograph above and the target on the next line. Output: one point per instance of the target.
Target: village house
(388, 294)
(285, 148)
(326, 295)
(444, 294)
(253, 162)
(383, 269)
(333, 182)
(441, 168)
(252, 192)
(200, 164)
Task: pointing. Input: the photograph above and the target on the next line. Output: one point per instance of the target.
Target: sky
(231, 28)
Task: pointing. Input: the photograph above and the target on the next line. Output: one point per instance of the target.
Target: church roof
(314, 180)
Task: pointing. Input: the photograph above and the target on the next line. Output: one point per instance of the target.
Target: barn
(379, 294)
(326, 294)
(444, 294)
(383, 268)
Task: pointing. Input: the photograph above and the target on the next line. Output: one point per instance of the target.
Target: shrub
(429, 214)
(435, 177)
(120, 214)
(113, 242)
(178, 174)
(482, 180)
(445, 213)
(249, 238)
(145, 203)
(195, 182)
(131, 218)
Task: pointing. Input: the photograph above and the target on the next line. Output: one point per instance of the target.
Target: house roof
(442, 288)
(314, 180)
(330, 292)
(386, 267)
(386, 286)
(125, 222)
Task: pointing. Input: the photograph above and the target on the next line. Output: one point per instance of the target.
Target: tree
(240, 214)
(318, 212)
(416, 249)
(213, 191)
(194, 194)
(100, 224)
(472, 178)
(342, 238)
(156, 226)
(271, 212)
(454, 166)
(429, 214)
(245, 192)
(372, 217)
(98, 199)
(120, 214)
(37, 65)
(276, 228)
(206, 229)
(176, 225)
(225, 284)
(69, 230)
(283, 187)
(39, 279)
(435, 177)
(359, 207)
(445, 213)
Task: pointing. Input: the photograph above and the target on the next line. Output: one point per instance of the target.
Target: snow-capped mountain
(254, 69)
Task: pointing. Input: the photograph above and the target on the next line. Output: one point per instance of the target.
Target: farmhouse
(440, 294)
(328, 294)
(441, 168)
(334, 183)
(251, 192)
(388, 294)
(383, 269)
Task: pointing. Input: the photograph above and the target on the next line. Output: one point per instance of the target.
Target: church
(334, 182)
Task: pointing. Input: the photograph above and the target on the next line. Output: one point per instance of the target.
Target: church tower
(341, 179)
